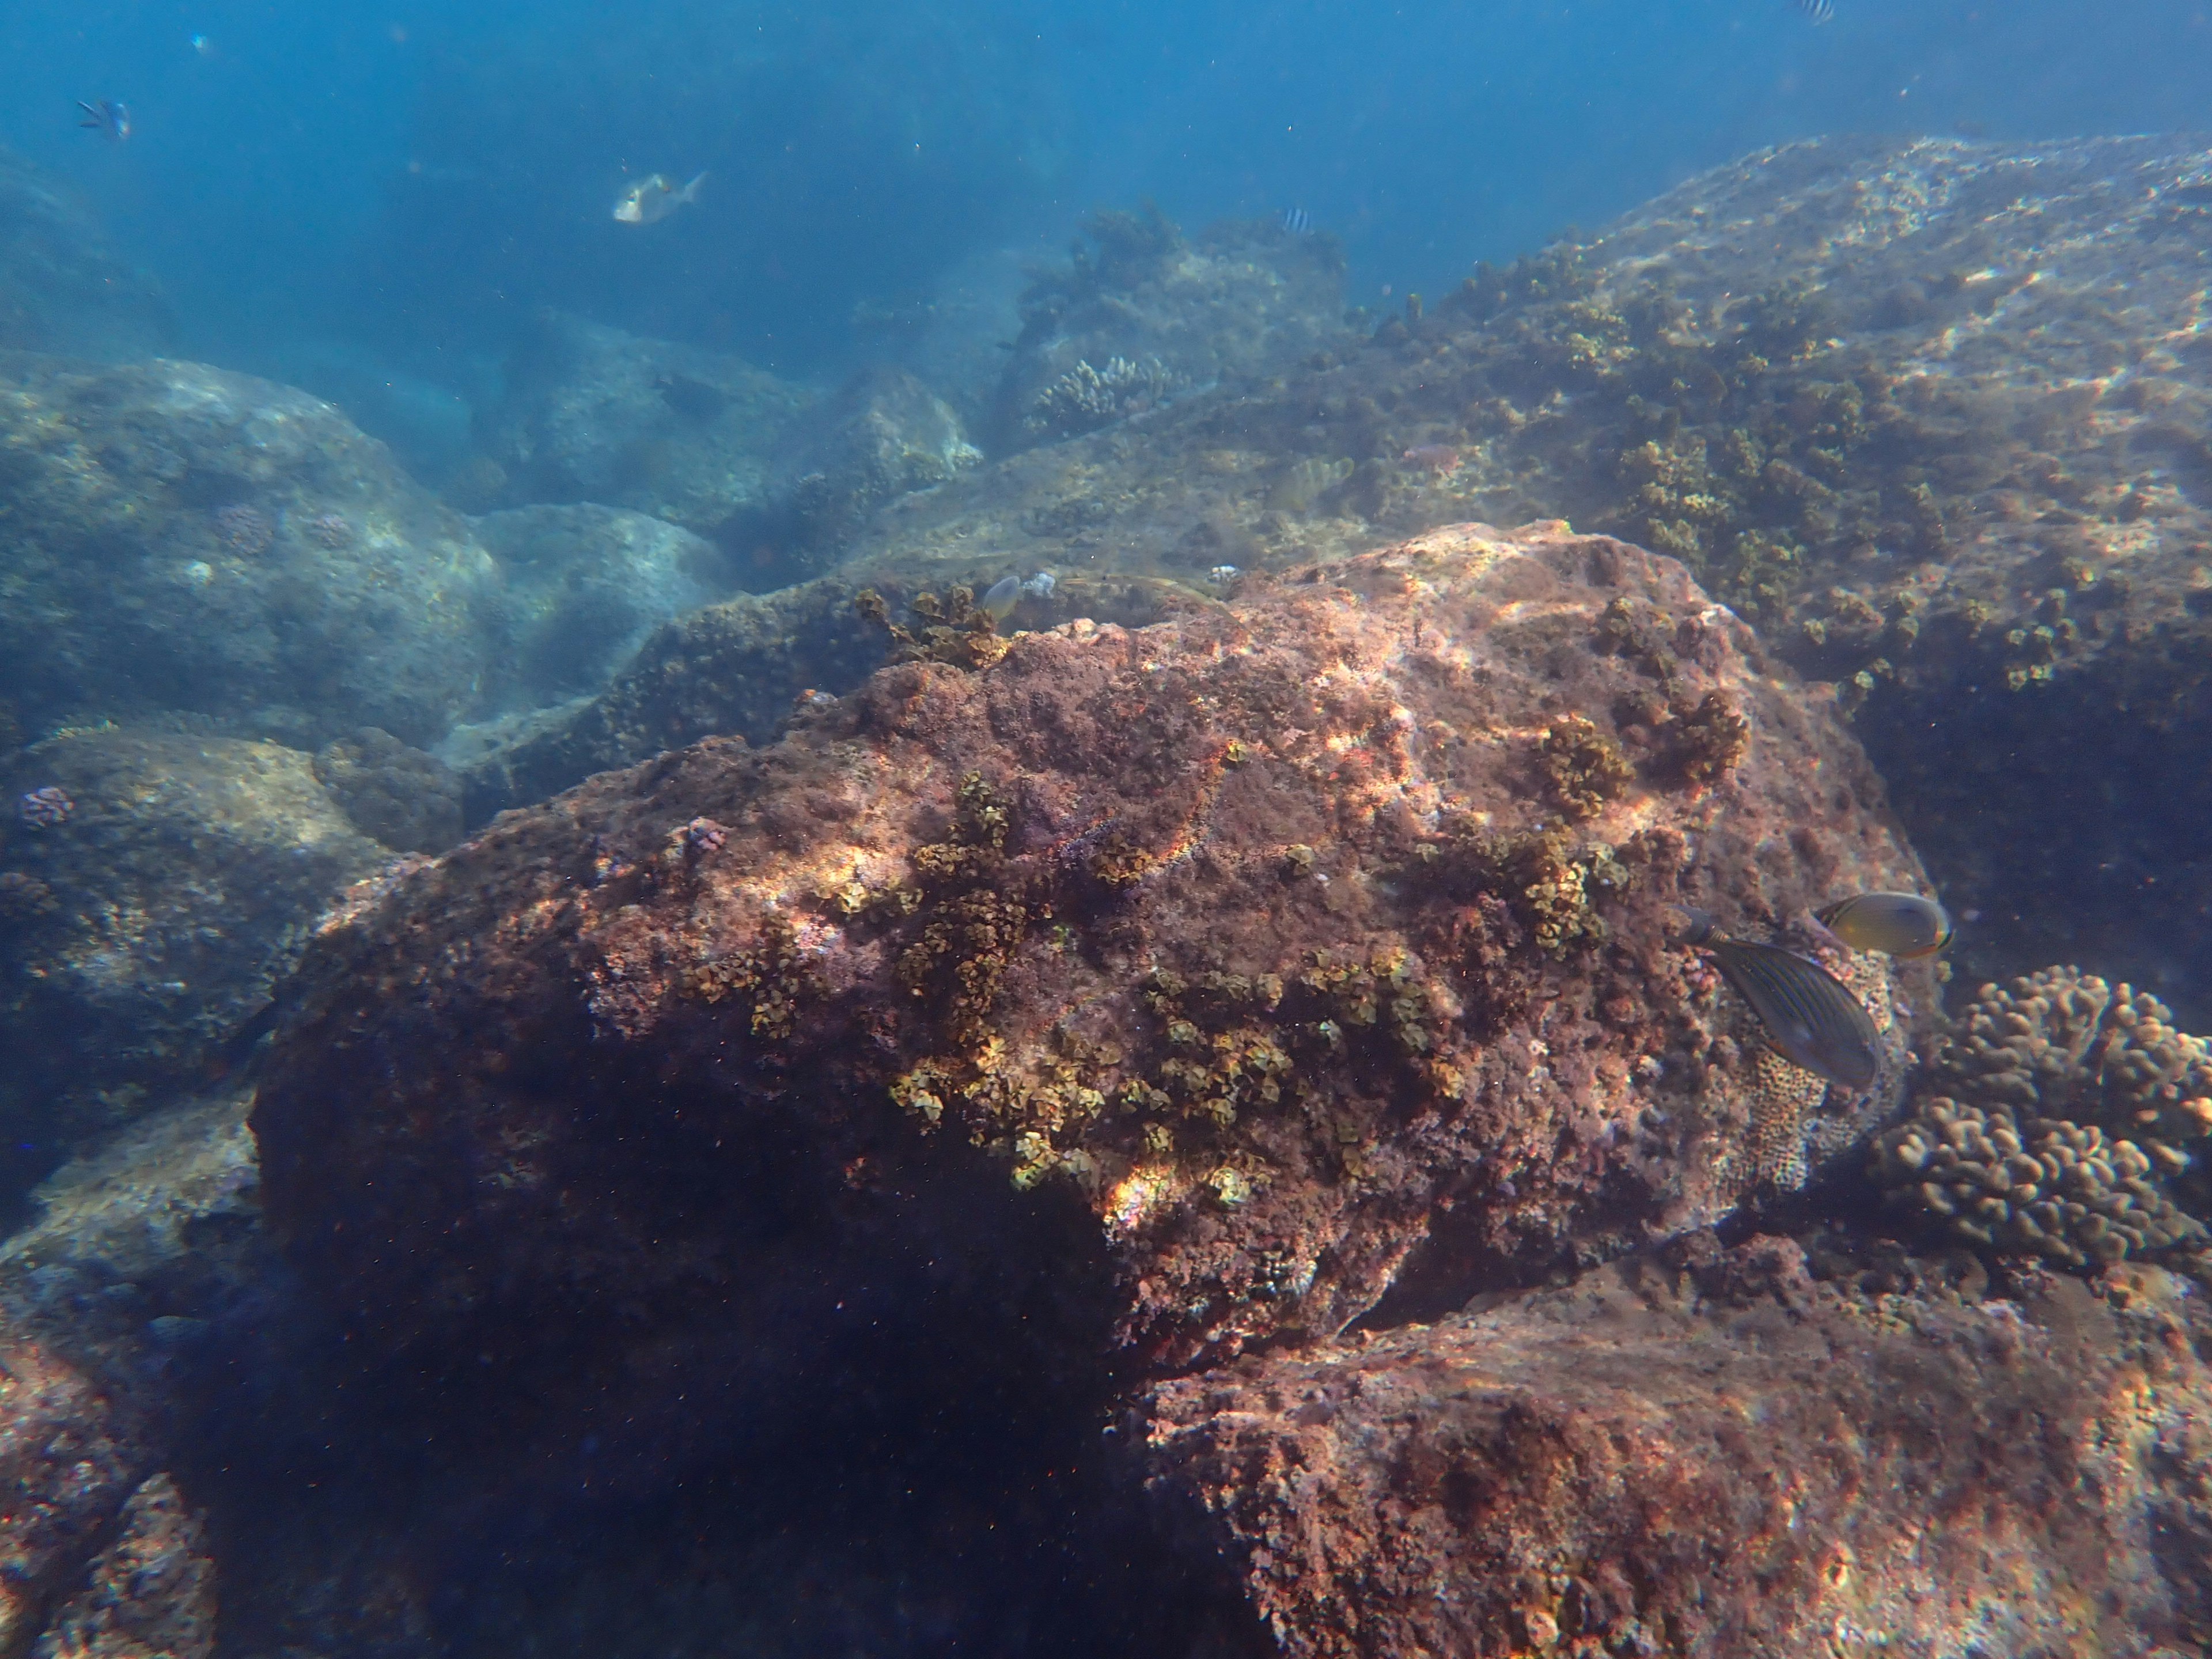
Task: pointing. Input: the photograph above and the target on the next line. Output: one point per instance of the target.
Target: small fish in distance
(1297, 222)
(1820, 11)
(653, 198)
(1810, 1017)
(1897, 924)
(106, 116)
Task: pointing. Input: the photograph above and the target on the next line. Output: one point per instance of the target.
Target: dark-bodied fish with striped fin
(1810, 1017)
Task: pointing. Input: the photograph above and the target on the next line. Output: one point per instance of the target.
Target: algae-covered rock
(1715, 1455)
(183, 538)
(593, 413)
(62, 288)
(1195, 975)
(402, 798)
(176, 890)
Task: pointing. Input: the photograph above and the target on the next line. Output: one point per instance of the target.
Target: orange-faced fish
(1897, 924)
(1811, 1016)
(653, 198)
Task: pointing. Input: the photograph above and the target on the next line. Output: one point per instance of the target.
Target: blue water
(390, 184)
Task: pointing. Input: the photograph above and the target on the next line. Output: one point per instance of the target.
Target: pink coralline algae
(42, 809)
(246, 531)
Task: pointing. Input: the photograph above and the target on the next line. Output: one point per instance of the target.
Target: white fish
(653, 198)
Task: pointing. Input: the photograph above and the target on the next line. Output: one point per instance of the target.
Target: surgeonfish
(1896, 924)
(1000, 597)
(653, 198)
(1811, 1016)
(1820, 11)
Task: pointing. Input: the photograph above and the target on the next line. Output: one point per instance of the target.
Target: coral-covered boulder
(183, 538)
(1733, 1461)
(1196, 976)
(148, 904)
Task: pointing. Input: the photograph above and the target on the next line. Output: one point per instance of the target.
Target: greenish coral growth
(954, 630)
(1582, 767)
(771, 976)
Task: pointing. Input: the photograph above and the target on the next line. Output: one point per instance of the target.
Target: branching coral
(1087, 397)
(2066, 1105)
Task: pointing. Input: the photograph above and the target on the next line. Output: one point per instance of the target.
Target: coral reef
(408, 800)
(149, 1594)
(1240, 955)
(152, 926)
(1085, 398)
(2063, 1109)
(1139, 311)
(1715, 1453)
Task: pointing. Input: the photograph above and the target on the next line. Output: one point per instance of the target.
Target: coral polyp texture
(1207, 970)
(2065, 1112)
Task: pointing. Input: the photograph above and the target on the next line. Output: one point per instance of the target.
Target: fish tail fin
(690, 191)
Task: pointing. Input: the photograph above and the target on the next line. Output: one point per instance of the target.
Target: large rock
(1176, 985)
(62, 288)
(1727, 1459)
(1917, 406)
(180, 538)
(148, 914)
(593, 413)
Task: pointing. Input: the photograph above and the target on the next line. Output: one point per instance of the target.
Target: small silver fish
(107, 116)
(1000, 597)
(1040, 585)
(1810, 1017)
(653, 198)
(1820, 11)
(1297, 222)
(1897, 924)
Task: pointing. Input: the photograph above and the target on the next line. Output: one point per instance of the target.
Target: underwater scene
(1105, 830)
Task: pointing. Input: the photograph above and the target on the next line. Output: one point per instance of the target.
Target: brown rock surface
(1191, 976)
(1729, 1461)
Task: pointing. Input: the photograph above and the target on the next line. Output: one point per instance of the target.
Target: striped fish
(1811, 1016)
(1297, 222)
(1820, 11)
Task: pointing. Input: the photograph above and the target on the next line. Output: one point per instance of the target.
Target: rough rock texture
(884, 435)
(583, 585)
(1209, 969)
(147, 928)
(61, 288)
(180, 538)
(401, 797)
(1732, 1462)
(1931, 411)
(1141, 315)
(595, 415)
(746, 668)
(151, 1593)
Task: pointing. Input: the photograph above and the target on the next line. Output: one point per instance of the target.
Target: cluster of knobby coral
(2065, 1106)
(1085, 398)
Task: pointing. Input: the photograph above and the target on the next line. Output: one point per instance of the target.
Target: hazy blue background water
(365, 189)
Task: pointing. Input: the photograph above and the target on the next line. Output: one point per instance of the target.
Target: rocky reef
(146, 926)
(1719, 1453)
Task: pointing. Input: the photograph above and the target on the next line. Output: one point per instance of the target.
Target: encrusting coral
(2060, 1108)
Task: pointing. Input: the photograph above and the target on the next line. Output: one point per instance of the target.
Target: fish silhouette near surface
(1820, 11)
(106, 116)
(1896, 924)
(654, 198)
(1810, 1017)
